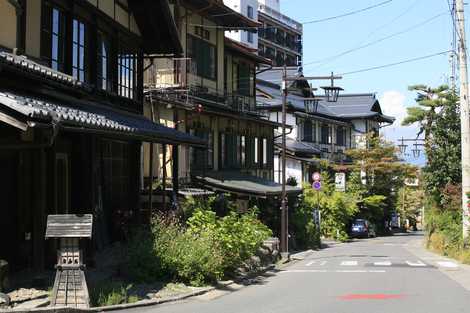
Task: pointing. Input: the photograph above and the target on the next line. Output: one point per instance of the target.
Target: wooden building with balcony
(71, 117)
(210, 92)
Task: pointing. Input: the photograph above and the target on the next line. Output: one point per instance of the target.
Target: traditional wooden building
(323, 134)
(209, 92)
(71, 116)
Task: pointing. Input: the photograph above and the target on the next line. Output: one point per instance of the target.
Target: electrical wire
(395, 63)
(348, 14)
(334, 57)
(304, 23)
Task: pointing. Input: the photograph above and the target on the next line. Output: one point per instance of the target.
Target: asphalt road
(380, 275)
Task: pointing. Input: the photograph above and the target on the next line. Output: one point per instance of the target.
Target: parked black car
(362, 228)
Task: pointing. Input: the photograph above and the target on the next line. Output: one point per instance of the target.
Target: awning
(72, 114)
(243, 184)
(299, 147)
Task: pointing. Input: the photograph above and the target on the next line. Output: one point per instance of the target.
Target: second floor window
(325, 134)
(104, 77)
(341, 136)
(250, 37)
(203, 57)
(53, 37)
(308, 131)
(79, 51)
(127, 74)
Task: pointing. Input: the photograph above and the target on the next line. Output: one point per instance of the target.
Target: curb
(144, 303)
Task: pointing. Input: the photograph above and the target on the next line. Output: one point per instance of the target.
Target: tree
(429, 101)
(438, 116)
(377, 173)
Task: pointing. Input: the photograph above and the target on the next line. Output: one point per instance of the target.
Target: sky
(424, 27)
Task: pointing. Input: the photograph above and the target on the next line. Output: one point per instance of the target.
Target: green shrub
(238, 235)
(111, 294)
(303, 227)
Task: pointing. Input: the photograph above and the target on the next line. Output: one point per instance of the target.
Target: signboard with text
(340, 182)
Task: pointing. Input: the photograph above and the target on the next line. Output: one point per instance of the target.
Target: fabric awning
(243, 184)
(72, 114)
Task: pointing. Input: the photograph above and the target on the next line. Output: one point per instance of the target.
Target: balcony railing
(280, 17)
(236, 102)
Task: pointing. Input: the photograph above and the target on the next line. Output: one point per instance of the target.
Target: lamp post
(415, 147)
(311, 106)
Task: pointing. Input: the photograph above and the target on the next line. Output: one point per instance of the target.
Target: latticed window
(53, 37)
(79, 60)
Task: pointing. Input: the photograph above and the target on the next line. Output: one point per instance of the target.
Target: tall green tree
(438, 117)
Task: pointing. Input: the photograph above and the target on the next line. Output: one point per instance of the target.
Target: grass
(111, 293)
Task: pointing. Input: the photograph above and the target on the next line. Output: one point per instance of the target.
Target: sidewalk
(460, 274)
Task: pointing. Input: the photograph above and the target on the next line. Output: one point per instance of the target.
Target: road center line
(349, 263)
(383, 263)
(419, 263)
(310, 263)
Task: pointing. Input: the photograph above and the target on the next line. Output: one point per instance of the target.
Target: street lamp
(402, 146)
(332, 91)
(416, 151)
(311, 106)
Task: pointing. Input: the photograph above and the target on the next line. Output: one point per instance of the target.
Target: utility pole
(464, 115)
(284, 231)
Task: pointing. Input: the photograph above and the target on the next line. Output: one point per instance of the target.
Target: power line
(334, 57)
(304, 23)
(396, 63)
(349, 13)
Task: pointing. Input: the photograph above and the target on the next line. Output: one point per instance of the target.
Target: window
(53, 37)
(200, 156)
(222, 154)
(78, 50)
(325, 134)
(104, 77)
(307, 131)
(243, 151)
(265, 151)
(256, 150)
(116, 172)
(249, 11)
(127, 64)
(250, 36)
(203, 57)
(340, 136)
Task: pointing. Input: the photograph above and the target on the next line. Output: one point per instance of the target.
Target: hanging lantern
(416, 151)
(332, 91)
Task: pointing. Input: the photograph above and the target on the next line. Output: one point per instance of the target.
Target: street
(386, 275)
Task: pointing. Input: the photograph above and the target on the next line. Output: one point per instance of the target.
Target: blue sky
(326, 39)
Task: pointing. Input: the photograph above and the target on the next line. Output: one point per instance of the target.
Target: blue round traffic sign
(316, 185)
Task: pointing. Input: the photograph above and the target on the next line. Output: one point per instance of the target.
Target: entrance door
(62, 184)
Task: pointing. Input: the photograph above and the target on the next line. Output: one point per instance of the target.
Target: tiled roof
(348, 106)
(299, 147)
(27, 65)
(236, 182)
(78, 114)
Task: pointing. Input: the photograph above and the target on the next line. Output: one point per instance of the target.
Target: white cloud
(393, 104)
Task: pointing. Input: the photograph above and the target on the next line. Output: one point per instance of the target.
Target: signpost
(340, 182)
(316, 185)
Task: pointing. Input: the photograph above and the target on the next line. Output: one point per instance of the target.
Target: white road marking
(447, 264)
(322, 263)
(348, 263)
(334, 271)
(310, 263)
(383, 263)
(419, 263)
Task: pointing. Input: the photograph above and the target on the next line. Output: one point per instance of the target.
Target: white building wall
(273, 4)
(293, 169)
(241, 6)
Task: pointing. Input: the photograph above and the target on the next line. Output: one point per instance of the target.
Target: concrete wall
(241, 6)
